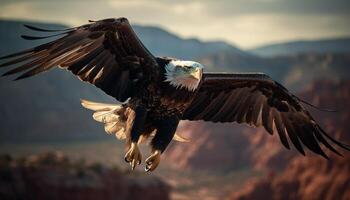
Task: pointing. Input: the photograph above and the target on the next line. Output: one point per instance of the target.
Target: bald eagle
(157, 92)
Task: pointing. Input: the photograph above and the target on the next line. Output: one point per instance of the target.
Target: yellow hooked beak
(197, 74)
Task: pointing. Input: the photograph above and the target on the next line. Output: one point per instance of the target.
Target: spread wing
(106, 53)
(257, 100)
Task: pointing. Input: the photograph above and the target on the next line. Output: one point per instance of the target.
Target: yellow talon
(153, 161)
(133, 156)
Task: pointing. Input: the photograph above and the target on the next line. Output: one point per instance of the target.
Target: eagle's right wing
(106, 53)
(256, 99)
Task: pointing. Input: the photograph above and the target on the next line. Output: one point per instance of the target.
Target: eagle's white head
(184, 74)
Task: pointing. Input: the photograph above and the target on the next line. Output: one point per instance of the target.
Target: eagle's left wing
(106, 53)
(256, 99)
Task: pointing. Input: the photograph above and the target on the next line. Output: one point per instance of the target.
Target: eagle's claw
(133, 156)
(153, 161)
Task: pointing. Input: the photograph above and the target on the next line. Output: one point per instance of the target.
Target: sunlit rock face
(216, 147)
(230, 146)
(286, 174)
(312, 177)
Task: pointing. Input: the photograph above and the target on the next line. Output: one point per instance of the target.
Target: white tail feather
(108, 114)
(121, 134)
(98, 106)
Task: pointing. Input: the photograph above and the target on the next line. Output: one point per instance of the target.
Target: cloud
(247, 23)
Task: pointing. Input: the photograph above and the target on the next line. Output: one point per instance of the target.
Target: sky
(244, 23)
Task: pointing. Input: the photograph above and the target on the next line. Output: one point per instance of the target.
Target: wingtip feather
(6, 74)
(44, 30)
(20, 78)
(15, 54)
(28, 37)
(344, 146)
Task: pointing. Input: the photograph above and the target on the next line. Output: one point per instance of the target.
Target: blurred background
(51, 148)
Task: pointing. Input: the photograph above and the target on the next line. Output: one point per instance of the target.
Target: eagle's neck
(182, 83)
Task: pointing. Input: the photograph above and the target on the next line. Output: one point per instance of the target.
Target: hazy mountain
(47, 107)
(159, 41)
(163, 43)
(10, 32)
(288, 175)
(339, 45)
(294, 71)
(227, 146)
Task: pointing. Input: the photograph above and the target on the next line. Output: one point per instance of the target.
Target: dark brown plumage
(257, 100)
(106, 53)
(163, 91)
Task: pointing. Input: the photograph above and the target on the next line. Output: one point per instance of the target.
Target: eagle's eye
(178, 67)
(187, 68)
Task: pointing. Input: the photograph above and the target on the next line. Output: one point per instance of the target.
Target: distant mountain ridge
(46, 107)
(334, 45)
(163, 43)
(159, 41)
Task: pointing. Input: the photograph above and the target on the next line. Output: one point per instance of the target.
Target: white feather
(108, 114)
(98, 106)
(112, 127)
(121, 134)
(180, 79)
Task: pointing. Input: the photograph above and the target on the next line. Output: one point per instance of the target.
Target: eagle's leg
(135, 126)
(166, 129)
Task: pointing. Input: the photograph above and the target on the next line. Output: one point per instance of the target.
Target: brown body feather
(257, 100)
(108, 54)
